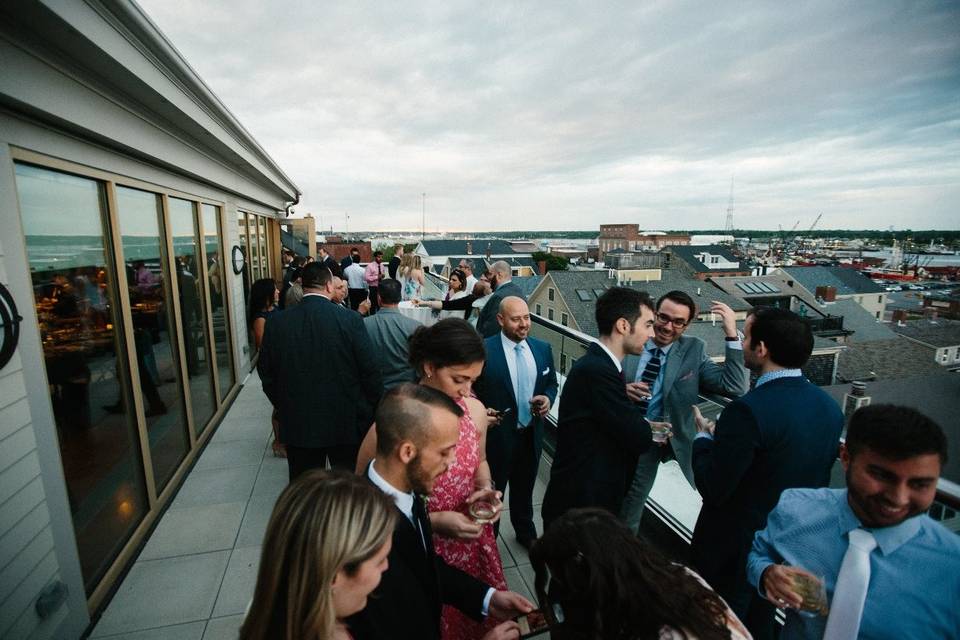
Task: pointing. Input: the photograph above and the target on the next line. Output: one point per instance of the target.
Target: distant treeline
(880, 237)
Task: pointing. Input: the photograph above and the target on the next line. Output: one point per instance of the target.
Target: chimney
(856, 398)
(542, 267)
(469, 248)
(827, 294)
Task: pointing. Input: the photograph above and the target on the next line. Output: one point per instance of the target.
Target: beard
(420, 479)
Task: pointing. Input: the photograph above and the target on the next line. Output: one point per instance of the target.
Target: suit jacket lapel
(674, 362)
(498, 364)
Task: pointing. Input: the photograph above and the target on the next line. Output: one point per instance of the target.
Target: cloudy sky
(559, 115)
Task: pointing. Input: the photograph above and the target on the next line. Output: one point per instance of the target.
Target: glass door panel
(156, 346)
(264, 253)
(215, 278)
(193, 311)
(73, 285)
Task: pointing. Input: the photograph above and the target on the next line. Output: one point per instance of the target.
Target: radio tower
(729, 226)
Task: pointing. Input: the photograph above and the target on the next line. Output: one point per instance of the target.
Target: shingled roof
(580, 288)
(847, 281)
(688, 253)
(935, 333)
(478, 247)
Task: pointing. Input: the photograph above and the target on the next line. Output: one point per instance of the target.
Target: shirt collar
(779, 373)
(889, 539)
(610, 353)
(508, 344)
(404, 501)
(319, 295)
(651, 345)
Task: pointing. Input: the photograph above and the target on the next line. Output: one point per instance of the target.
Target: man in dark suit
(520, 381)
(501, 281)
(600, 431)
(318, 368)
(347, 260)
(327, 260)
(666, 380)
(394, 263)
(417, 432)
(784, 434)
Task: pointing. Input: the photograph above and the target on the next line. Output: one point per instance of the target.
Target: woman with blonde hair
(325, 547)
(410, 275)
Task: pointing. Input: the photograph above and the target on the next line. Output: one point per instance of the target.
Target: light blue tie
(524, 390)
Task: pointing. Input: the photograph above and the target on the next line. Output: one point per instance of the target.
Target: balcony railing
(673, 505)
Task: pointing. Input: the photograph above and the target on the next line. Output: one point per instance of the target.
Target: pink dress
(480, 558)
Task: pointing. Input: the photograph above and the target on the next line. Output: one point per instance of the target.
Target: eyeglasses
(678, 323)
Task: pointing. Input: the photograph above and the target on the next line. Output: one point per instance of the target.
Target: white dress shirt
(510, 352)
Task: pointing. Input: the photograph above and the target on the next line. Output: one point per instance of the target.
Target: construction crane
(801, 241)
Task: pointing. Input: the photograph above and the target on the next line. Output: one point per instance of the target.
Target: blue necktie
(650, 374)
(524, 390)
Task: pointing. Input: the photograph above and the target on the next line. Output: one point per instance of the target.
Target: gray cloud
(566, 115)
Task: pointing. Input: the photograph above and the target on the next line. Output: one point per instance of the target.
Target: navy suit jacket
(495, 389)
(600, 434)
(784, 434)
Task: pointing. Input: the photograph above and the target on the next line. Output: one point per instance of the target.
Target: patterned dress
(480, 558)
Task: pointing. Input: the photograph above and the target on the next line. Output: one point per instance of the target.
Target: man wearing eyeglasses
(666, 380)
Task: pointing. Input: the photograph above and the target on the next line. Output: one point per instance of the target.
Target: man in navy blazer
(600, 431)
(520, 381)
(784, 434)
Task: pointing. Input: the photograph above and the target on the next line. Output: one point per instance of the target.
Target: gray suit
(688, 372)
(389, 331)
(487, 324)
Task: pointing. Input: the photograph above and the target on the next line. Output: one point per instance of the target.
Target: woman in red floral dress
(448, 356)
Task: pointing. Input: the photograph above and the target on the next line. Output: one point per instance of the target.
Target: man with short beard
(417, 432)
(889, 570)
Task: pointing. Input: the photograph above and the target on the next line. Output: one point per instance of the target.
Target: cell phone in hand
(532, 624)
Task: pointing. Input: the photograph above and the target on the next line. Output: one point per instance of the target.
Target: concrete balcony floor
(196, 572)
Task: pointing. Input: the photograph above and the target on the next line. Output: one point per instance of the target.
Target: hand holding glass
(661, 428)
(485, 507)
(814, 593)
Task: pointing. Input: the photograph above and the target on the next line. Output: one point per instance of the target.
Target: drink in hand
(484, 509)
(814, 595)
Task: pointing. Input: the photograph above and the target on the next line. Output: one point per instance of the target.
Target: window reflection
(73, 291)
(193, 313)
(160, 383)
(215, 278)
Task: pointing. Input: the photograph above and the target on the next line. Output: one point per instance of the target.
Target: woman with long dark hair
(264, 296)
(611, 586)
(457, 298)
(326, 545)
(449, 356)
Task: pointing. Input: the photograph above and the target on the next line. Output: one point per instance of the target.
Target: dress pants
(301, 459)
(516, 465)
(374, 300)
(643, 478)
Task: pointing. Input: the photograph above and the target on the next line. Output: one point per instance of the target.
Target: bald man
(518, 380)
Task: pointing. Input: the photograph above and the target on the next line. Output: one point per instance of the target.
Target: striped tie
(650, 373)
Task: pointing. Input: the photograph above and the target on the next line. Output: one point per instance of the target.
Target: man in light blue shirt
(892, 458)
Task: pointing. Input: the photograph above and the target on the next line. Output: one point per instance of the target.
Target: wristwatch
(736, 338)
